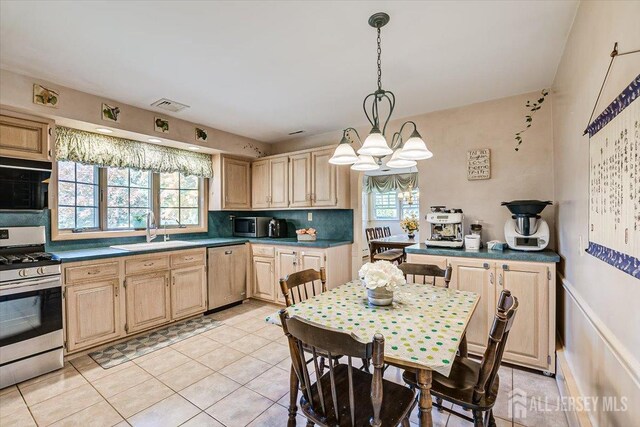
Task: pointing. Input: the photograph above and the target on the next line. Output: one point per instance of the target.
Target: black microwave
(251, 226)
(24, 184)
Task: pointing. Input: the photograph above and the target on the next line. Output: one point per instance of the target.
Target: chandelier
(408, 196)
(375, 148)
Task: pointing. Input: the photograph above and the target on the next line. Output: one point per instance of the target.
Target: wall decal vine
(533, 107)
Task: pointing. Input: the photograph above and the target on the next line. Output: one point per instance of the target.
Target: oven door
(24, 184)
(30, 318)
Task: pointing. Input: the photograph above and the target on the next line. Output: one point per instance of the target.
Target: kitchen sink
(152, 245)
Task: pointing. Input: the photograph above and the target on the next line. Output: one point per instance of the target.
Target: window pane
(189, 198)
(66, 218)
(118, 218)
(67, 193)
(385, 205)
(189, 216)
(86, 195)
(169, 198)
(139, 197)
(87, 217)
(139, 178)
(116, 176)
(66, 171)
(189, 182)
(170, 180)
(169, 216)
(138, 213)
(86, 173)
(117, 197)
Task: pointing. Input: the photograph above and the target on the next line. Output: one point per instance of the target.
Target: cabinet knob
(500, 280)
(485, 265)
(228, 252)
(491, 278)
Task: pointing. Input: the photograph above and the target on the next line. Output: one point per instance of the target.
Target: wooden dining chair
(472, 385)
(386, 231)
(306, 282)
(381, 253)
(344, 396)
(418, 273)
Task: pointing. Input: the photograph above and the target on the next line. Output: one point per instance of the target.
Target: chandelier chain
(379, 61)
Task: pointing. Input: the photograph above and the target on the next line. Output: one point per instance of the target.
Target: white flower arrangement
(381, 274)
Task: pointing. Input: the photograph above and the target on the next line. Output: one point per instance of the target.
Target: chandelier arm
(364, 107)
(392, 103)
(346, 134)
(396, 140)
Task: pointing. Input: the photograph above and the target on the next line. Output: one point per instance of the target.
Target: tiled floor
(233, 375)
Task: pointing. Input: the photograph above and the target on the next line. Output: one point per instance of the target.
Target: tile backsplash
(334, 224)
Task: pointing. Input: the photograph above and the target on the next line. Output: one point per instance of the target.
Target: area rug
(152, 341)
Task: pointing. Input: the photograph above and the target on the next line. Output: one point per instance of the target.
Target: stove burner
(25, 258)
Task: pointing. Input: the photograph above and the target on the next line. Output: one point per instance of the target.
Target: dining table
(396, 241)
(422, 328)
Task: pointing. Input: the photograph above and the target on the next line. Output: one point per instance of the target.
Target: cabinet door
(300, 180)
(24, 139)
(263, 278)
(93, 313)
(311, 259)
(279, 191)
(260, 184)
(324, 179)
(287, 262)
(236, 187)
(148, 301)
(476, 276)
(529, 336)
(188, 291)
(228, 278)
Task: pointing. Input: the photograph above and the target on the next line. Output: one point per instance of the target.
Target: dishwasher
(228, 275)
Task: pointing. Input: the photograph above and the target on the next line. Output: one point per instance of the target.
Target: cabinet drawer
(141, 265)
(187, 258)
(93, 271)
(265, 251)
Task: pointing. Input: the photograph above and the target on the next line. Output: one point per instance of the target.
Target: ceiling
(264, 69)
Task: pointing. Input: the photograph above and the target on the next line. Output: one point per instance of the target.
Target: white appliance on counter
(447, 227)
(526, 230)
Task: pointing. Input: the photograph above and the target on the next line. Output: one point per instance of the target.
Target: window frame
(102, 232)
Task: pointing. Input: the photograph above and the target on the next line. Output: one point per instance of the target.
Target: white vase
(380, 296)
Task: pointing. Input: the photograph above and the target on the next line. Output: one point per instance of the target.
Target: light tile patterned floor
(207, 380)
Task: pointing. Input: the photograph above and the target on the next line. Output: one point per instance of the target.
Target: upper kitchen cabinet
(300, 182)
(270, 183)
(24, 137)
(230, 187)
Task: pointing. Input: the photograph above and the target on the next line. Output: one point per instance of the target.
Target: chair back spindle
(301, 285)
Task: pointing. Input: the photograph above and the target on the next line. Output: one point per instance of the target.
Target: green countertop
(508, 254)
(99, 252)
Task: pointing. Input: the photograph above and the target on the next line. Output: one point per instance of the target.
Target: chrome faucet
(166, 236)
(152, 229)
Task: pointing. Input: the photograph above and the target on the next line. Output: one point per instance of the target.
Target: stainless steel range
(31, 337)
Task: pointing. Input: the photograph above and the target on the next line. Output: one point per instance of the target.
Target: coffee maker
(526, 230)
(277, 228)
(447, 227)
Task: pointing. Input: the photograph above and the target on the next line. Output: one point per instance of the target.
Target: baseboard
(569, 389)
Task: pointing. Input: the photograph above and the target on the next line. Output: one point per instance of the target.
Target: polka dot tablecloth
(423, 326)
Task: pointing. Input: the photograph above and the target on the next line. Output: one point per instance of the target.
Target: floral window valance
(386, 183)
(103, 150)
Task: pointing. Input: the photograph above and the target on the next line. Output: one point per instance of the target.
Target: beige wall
(526, 174)
(600, 321)
(82, 110)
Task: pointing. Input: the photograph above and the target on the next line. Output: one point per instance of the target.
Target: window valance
(385, 183)
(103, 150)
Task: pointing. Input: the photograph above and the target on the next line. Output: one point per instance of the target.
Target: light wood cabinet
(287, 262)
(188, 291)
(531, 341)
(300, 178)
(263, 278)
(230, 187)
(92, 313)
(260, 184)
(324, 179)
(148, 301)
(24, 137)
(228, 282)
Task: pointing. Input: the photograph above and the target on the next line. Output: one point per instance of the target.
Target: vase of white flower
(381, 279)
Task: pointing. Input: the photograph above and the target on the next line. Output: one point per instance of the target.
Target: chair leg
(477, 419)
(293, 397)
(406, 423)
(490, 421)
(439, 404)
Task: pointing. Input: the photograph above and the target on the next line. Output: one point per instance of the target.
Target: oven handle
(30, 286)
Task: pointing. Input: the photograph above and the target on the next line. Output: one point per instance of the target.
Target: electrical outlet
(310, 216)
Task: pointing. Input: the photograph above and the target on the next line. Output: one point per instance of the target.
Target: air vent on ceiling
(296, 132)
(169, 105)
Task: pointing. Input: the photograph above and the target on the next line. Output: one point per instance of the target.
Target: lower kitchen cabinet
(148, 301)
(92, 313)
(188, 291)
(264, 278)
(531, 341)
(228, 278)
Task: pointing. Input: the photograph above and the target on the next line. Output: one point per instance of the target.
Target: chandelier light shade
(365, 163)
(398, 162)
(375, 146)
(344, 154)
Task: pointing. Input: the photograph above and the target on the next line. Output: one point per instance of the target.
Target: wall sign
(45, 96)
(478, 164)
(614, 182)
